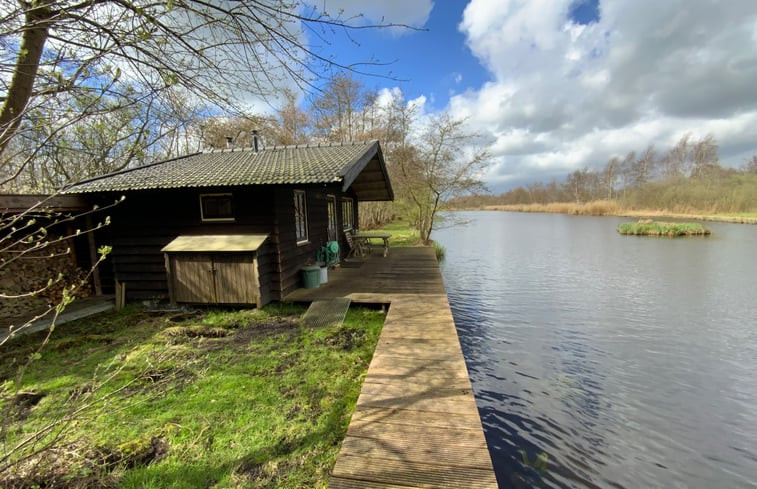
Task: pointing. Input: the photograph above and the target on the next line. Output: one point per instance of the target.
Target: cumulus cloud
(563, 95)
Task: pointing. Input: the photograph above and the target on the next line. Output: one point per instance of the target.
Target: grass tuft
(647, 227)
(440, 251)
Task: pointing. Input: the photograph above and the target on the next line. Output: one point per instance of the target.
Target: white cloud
(418, 104)
(564, 96)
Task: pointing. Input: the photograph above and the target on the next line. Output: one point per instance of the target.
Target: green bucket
(311, 277)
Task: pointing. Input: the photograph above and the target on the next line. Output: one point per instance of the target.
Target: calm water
(600, 360)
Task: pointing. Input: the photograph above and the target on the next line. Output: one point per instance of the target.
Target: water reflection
(607, 361)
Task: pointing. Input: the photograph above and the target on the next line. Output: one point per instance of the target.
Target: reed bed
(647, 227)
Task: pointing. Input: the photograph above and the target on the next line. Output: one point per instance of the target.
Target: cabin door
(332, 217)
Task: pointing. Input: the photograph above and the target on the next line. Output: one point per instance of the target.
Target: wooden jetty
(415, 424)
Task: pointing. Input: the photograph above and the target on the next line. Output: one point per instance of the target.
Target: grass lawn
(221, 399)
(402, 233)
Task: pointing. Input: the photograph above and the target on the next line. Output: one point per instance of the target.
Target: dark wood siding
(148, 220)
(292, 256)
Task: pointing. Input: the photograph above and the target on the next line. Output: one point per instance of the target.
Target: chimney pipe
(255, 140)
(229, 142)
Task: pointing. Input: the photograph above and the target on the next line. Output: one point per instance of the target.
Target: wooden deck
(415, 424)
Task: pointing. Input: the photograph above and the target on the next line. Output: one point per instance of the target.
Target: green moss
(647, 227)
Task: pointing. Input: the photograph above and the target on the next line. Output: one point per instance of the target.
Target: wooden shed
(215, 269)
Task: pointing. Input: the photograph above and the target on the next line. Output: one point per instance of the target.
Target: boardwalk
(416, 422)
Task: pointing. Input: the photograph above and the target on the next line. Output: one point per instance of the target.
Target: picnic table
(363, 241)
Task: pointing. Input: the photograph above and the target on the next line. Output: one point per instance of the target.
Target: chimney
(229, 142)
(255, 140)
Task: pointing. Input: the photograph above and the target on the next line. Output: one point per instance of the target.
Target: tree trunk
(36, 29)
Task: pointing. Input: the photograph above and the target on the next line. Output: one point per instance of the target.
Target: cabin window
(331, 205)
(300, 216)
(348, 213)
(216, 207)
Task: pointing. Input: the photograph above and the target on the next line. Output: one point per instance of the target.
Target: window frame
(348, 213)
(333, 222)
(229, 218)
(301, 234)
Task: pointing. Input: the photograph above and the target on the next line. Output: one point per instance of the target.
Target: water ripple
(603, 361)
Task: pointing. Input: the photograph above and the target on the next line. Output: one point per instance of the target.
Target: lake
(601, 360)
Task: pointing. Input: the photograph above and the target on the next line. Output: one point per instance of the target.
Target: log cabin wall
(148, 220)
(293, 256)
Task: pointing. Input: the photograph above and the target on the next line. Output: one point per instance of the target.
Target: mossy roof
(282, 165)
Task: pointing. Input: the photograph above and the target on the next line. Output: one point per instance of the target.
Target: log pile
(32, 272)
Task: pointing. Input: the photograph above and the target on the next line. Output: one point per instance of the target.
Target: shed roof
(358, 165)
(216, 242)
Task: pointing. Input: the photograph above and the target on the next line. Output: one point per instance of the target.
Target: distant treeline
(686, 178)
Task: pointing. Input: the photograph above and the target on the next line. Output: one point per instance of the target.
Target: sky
(553, 86)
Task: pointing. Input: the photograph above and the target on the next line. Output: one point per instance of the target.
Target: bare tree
(444, 163)
(610, 177)
(222, 132)
(338, 107)
(704, 157)
(294, 123)
(62, 60)
(675, 162)
(583, 185)
(627, 171)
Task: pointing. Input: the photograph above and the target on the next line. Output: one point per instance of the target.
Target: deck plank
(403, 472)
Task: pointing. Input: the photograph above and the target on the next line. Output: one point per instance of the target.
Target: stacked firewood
(39, 278)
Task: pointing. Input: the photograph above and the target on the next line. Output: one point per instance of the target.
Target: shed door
(236, 280)
(193, 278)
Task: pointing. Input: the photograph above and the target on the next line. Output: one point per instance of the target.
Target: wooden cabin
(268, 211)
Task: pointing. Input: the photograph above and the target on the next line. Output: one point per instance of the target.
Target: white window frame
(300, 217)
(216, 219)
(348, 213)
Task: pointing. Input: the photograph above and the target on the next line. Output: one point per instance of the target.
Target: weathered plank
(411, 473)
(425, 450)
(368, 414)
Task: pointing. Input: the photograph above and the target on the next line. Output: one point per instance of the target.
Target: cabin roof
(358, 165)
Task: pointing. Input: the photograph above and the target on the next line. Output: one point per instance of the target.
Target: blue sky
(434, 62)
(559, 85)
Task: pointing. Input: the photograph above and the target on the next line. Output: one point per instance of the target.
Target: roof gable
(357, 163)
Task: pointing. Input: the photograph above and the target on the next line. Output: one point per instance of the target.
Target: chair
(356, 247)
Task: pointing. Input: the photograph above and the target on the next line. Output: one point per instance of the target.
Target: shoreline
(608, 208)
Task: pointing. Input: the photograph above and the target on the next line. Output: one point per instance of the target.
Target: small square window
(216, 207)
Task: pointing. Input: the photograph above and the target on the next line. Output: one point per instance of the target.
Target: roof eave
(354, 169)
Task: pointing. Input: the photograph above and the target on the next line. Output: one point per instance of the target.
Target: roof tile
(276, 165)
